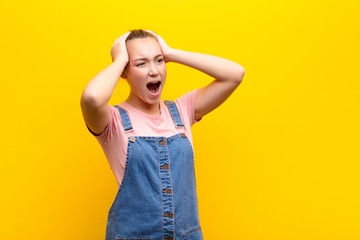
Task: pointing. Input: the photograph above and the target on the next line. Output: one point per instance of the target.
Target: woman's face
(146, 70)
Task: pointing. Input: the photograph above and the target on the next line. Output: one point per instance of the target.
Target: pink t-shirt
(114, 140)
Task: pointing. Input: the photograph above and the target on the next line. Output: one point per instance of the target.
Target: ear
(123, 75)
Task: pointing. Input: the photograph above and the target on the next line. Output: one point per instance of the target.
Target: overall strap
(125, 119)
(174, 113)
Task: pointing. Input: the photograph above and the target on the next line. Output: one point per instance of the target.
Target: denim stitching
(122, 181)
(125, 119)
(191, 231)
(162, 202)
(133, 238)
(172, 194)
(174, 112)
(156, 138)
(178, 117)
(169, 105)
(189, 143)
(173, 137)
(193, 157)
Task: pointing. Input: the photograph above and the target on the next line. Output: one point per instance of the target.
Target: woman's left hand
(165, 49)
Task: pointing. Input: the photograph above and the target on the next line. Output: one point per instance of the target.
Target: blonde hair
(139, 33)
(136, 33)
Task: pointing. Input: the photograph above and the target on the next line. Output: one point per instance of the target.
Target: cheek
(139, 72)
(138, 78)
(136, 84)
(163, 69)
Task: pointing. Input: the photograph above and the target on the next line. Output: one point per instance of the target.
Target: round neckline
(146, 114)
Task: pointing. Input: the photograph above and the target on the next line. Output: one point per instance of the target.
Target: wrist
(121, 60)
(169, 56)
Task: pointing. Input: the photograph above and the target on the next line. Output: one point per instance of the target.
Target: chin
(153, 101)
(151, 98)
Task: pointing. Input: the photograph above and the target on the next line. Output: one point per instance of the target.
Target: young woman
(147, 141)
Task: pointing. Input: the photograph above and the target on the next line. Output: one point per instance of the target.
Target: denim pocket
(194, 234)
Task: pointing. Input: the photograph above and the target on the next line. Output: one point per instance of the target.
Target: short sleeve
(187, 104)
(109, 130)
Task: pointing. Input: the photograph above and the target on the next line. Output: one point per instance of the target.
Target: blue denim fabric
(157, 197)
(125, 119)
(174, 113)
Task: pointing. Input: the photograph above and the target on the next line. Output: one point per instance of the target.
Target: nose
(153, 71)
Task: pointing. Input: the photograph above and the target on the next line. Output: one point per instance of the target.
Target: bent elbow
(240, 75)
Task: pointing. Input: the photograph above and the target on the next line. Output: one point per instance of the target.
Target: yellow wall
(278, 161)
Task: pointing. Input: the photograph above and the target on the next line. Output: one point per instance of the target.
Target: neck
(151, 109)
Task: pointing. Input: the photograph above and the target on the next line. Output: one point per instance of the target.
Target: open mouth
(153, 87)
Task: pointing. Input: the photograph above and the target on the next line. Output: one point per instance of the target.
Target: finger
(118, 39)
(151, 32)
(127, 34)
(124, 36)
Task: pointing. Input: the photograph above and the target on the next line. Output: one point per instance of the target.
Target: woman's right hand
(118, 49)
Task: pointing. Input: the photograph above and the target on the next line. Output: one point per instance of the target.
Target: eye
(160, 60)
(139, 64)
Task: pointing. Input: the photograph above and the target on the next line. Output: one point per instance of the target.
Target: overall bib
(157, 198)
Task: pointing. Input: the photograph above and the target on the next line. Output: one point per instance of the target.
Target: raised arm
(98, 91)
(228, 75)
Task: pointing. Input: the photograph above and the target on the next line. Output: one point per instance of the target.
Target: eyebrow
(145, 58)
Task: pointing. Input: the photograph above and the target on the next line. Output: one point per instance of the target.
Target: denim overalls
(157, 197)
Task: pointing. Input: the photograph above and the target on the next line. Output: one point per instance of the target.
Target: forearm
(101, 87)
(219, 68)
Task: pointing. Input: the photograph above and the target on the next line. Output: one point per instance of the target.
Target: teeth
(154, 82)
(153, 86)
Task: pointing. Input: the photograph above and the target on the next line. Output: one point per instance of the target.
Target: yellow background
(278, 161)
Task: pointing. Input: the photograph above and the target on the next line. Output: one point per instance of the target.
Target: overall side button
(132, 139)
(163, 142)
